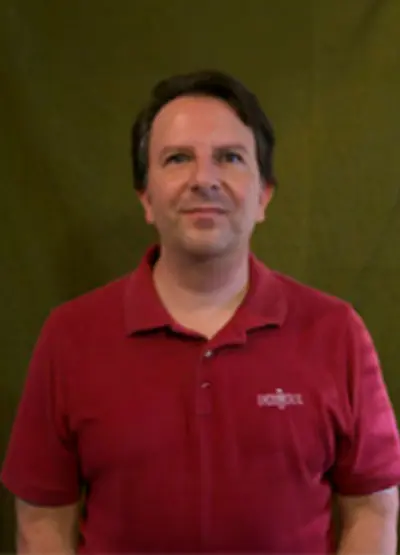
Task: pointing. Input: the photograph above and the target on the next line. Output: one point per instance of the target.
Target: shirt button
(208, 354)
(205, 385)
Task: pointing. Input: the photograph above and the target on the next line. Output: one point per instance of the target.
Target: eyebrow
(185, 148)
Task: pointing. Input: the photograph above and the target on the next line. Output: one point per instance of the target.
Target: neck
(195, 282)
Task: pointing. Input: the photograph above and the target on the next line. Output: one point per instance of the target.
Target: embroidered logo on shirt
(279, 399)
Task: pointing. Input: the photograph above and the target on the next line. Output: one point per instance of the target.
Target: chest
(150, 400)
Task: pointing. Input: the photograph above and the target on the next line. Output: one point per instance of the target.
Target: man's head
(202, 162)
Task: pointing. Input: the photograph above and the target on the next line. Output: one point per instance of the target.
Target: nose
(205, 175)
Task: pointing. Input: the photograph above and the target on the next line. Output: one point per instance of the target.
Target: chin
(205, 249)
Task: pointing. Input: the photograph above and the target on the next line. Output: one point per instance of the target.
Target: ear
(145, 200)
(265, 197)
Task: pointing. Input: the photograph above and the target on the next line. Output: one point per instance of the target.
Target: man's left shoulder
(309, 305)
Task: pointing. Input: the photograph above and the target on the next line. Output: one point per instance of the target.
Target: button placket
(204, 406)
(204, 401)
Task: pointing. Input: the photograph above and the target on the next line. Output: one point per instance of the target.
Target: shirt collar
(265, 302)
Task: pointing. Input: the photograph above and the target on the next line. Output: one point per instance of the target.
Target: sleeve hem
(367, 488)
(40, 497)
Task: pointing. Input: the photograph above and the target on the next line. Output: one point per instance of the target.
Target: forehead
(198, 121)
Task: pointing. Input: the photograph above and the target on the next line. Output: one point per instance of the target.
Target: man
(204, 403)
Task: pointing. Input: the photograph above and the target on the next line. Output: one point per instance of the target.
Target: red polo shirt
(187, 445)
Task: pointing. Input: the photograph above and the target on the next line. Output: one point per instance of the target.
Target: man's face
(204, 192)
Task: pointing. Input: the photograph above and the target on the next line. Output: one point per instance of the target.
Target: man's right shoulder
(104, 304)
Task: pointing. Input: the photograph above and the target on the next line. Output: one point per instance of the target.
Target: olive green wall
(74, 73)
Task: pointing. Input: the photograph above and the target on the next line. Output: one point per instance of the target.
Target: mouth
(206, 210)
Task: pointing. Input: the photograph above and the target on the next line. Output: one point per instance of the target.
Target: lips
(205, 210)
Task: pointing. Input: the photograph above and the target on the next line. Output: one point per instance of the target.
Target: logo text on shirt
(279, 399)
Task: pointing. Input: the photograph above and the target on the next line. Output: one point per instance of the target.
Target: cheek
(161, 206)
(246, 193)
(177, 176)
(165, 188)
(242, 178)
(172, 179)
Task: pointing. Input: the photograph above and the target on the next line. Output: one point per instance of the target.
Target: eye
(231, 157)
(177, 158)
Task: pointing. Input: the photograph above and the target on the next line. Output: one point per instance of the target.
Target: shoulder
(335, 323)
(307, 304)
(100, 307)
(315, 314)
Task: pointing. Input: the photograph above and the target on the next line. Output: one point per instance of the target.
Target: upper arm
(368, 450)
(46, 529)
(383, 504)
(41, 463)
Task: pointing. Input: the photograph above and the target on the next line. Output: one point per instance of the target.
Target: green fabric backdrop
(74, 73)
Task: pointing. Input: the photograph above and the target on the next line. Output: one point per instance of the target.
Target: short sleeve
(41, 463)
(368, 453)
